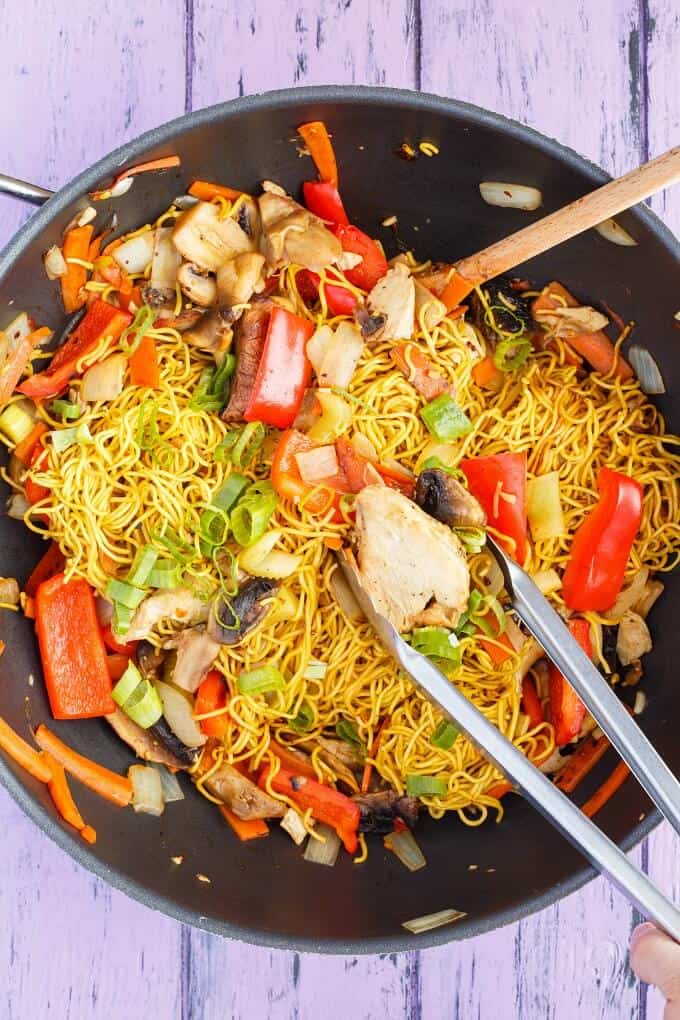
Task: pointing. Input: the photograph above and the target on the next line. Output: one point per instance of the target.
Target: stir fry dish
(245, 386)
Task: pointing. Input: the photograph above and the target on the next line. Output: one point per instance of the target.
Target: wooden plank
(275, 44)
(70, 946)
(82, 80)
(660, 37)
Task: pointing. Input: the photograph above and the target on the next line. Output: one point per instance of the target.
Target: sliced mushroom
(245, 799)
(197, 284)
(213, 332)
(145, 743)
(171, 742)
(164, 265)
(379, 810)
(633, 640)
(203, 238)
(240, 278)
(291, 234)
(443, 497)
(149, 659)
(394, 299)
(510, 312)
(248, 217)
(230, 621)
(194, 652)
(251, 330)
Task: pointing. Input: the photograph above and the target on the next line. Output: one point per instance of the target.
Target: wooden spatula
(586, 212)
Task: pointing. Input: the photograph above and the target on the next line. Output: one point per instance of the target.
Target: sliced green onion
(62, 439)
(66, 409)
(426, 786)
(305, 718)
(137, 697)
(140, 325)
(436, 642)
(474, 602)
(445, 420)
(213, 527)
(347, 731)
(142, 566)
(315, 670)
(435, 462)
(241, 445)
(165, 574)
(511, 353)
(127, 684)
(203, 399)
(147, 435)
(181, 551)
(445, 735)
(261, 681)
(223, 374)
(473, 539)
(250, 518)
(479, 614)
(125, 594)
(122, 618)
(230, 493)
(16, 423)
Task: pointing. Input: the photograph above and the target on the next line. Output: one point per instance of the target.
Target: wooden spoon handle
(586, 212)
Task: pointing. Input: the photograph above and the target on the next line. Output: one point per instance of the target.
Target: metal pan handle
(32, 193)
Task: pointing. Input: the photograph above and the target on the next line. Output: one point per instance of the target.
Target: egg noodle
(112, 496)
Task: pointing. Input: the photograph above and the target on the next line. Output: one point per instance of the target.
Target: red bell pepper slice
(287, 480)
(531, 704)
(51, 563)
(101, 320)
(567, 711)
(328, 805)
(601, 546)
(340, 301)
(35, 492)
(114, 645)
(72, 650)
(323, 199)
(211, 695)
(284, 371)
(357, 470)
(499, 483)
(373, 265)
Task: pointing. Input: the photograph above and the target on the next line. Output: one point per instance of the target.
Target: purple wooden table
(82, 78)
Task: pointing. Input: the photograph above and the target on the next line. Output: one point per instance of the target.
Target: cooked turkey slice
(413, 568)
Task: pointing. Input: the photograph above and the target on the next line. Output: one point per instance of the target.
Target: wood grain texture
(600, 77)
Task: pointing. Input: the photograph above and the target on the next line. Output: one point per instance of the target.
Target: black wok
(265, 892)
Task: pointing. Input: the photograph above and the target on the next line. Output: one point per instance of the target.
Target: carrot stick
(144, 368)
(486, 374)
(94, 250)
(318, 142)
(368, 768)
(17, 362)
(596, 348)
(499, 789)
(117, 789)
(88, 834)
(253, 828)
(456, 313)
(164, 163)
(29, 607)
(292, 760)
(333, 542)
(581, 763)
(23, 754)
(76, 245)
(456, 290)
(61, 794)
(24, 449)
(205, 191)
(607, 790)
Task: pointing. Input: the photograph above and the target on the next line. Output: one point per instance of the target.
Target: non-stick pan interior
(264, 891)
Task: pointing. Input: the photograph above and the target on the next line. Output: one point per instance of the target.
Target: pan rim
(86, 181)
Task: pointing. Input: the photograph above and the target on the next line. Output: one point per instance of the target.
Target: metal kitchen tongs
(600, 700)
